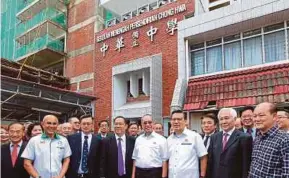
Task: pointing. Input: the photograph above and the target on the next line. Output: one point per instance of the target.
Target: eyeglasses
(76, 122)
(147, 122)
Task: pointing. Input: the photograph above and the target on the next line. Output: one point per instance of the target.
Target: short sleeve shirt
(47, 154)
(150, 151)
(184, 152)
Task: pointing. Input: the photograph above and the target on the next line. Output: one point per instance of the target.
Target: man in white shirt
(150, 152)
(185, 147)
(209, 125)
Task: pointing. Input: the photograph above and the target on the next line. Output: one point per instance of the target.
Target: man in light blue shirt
(47, 155)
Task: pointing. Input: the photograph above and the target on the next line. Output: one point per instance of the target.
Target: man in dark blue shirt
(270, 157)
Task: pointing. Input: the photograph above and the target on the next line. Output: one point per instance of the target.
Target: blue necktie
(84, 155)
(120, 158)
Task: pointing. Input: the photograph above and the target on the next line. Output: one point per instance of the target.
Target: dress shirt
(229, 133)
(18, 147)
(82, 143)
(209, 139)
(123, 148)
(184, 152)
(150, 151)
(270, 156)
(253, 134)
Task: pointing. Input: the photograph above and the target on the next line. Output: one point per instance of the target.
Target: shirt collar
(210, 134)
(83, 134)
(230, 132)
(245, 129)
(185, 132)
(270, 132)
(19, 144)
(122, 137)
(44, 136)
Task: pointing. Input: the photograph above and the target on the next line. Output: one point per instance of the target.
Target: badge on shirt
(186, 142)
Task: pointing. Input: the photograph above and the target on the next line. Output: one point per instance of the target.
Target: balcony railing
(45, 41)
(46, 14)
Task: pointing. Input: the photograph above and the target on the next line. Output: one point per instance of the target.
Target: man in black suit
(11, 161)
(247, 121)
(116, 161)
(85, 147)
(209, 124)
(230, 150)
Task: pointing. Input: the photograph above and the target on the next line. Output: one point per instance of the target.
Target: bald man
(47, 155)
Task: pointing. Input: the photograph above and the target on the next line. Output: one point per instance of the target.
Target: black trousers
(148, 173)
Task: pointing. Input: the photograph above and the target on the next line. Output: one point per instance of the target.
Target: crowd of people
(255, 145)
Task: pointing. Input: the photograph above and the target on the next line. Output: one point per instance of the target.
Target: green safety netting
(11, 28)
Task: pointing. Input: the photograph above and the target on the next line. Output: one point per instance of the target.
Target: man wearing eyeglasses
(85, 146)
(150, 152)
(47, 155)
(74, 121)
(283, 120)
(247, 121)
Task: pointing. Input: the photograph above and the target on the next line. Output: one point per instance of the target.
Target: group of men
(258, 150)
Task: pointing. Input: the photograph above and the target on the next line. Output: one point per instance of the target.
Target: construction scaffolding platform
(28, 93)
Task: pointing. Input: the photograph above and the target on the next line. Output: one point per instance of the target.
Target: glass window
(232, 55)
(197, 62)
(274, 44)
(253, 51)
(214, 59)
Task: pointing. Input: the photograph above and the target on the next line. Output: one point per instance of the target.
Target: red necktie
(14, 154)
(225, 140)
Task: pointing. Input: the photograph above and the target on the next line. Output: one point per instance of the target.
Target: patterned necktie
(84, 155)
(120, 158)
(14, 154)
(249, 131)
(206, 140)
(225, 140)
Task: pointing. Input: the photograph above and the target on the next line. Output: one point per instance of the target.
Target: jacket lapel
(78, 146)
(231, 140)
(8, 152)
(219, 143)
(93, 142)
(20, 152)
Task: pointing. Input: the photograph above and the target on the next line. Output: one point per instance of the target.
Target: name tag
(186, 143)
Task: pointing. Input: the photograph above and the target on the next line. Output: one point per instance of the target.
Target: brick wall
(163, 43)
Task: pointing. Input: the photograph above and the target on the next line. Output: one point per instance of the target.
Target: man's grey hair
(147, 115)
(232, 111)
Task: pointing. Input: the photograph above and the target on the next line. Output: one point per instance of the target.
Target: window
(197, 63)
(128, 89)
(253, 51)
(140, 86)
(274, 45)
(214, 59)
(258, 46)
(232, 55)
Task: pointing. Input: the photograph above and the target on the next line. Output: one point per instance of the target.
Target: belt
(82, 175)
(148, 169)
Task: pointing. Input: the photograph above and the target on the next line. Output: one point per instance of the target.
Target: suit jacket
(107, 135)
(75, 142)
(109, 160)
(7, 170)
(242, 130)
(234, 161)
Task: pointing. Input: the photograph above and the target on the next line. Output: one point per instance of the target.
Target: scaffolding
(31, 26)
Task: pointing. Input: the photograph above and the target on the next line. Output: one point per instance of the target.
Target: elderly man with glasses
(283, 119)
